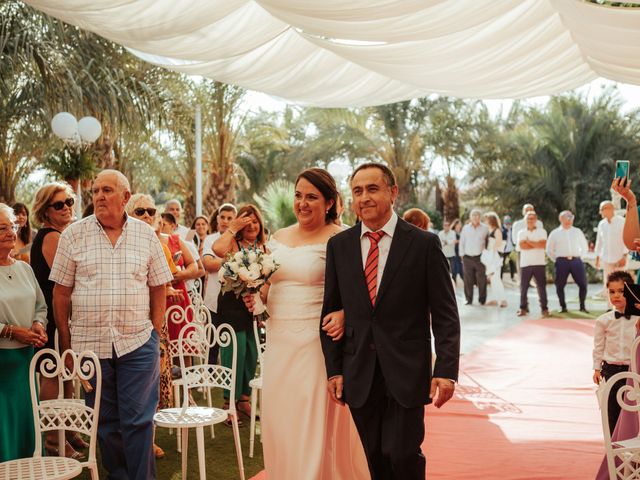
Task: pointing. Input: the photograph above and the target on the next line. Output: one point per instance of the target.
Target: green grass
(573, 314)
(220, 452)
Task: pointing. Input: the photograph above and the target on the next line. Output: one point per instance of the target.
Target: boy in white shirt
(613, 337)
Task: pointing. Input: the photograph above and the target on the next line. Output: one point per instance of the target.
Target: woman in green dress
(23, 318)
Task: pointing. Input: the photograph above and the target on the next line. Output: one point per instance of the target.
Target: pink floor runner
(524, 409)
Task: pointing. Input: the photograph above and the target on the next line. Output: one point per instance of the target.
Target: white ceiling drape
(366, 52)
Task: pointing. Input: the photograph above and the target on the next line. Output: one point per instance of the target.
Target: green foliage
(558, 157)
(67, 163)
(276, 204)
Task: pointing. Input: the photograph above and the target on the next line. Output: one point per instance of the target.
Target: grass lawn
(220, 452)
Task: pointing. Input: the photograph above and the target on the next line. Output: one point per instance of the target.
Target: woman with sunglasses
(23, 315)
(25, 234)
(53, 209)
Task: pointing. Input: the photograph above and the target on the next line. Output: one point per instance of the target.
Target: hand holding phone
(622, 171)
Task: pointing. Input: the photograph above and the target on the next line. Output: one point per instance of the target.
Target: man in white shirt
(531, 243)
(220, 223)
(448, 241)
(175, 208)
(519, 225)
(611, 254)
(473, 240)
(565, 246)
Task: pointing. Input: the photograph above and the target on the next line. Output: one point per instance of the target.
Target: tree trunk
(219, 189)
(451, 199)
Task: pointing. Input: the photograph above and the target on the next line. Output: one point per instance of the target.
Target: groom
(393, 282)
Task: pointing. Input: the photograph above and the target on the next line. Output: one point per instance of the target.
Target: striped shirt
(110, 299)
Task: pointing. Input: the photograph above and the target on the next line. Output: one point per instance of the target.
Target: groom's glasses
(60, 205)
(139, 212)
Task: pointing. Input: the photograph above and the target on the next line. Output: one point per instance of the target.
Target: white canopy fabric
(341, 53)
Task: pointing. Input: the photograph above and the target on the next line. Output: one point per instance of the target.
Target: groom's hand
(444, 387)
(335, 388)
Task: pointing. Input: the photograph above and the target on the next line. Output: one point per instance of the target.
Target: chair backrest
(628, 397)
(260, 345)
(181, 315)
(194, 288)
(62, 413)
(200, 338)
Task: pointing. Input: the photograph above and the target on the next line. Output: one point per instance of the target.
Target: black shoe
(563, 310)
(468, 303)
(584, 310)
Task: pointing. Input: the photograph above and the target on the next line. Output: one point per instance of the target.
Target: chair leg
(261, 424)
(252, 428)
(236, 439)
(201, 462)
(94, 472)
(210, 405)
(184, 433)
(176, 404)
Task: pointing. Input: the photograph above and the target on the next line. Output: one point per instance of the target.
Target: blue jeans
(130, 389)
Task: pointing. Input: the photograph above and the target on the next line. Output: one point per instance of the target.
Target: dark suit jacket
(416, 293)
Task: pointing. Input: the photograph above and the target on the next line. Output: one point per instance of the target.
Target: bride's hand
(333, 325)
(249, 302)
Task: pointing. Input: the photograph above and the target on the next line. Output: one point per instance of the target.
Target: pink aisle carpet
(524, 409)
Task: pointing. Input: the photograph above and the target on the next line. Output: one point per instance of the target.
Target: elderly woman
(247, 229)
(143, 207)
(53, 209)
(23, 317)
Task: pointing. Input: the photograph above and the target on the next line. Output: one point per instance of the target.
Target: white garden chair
(256, 390)
(60, 414)
(623, 456)
(196, 339)
(176, 314)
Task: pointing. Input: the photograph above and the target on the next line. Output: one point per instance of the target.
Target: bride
(304, 434)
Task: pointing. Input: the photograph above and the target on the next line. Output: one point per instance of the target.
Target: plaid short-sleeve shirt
(110, 299)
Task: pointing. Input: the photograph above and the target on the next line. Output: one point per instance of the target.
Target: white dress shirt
(532, 256)
(384, 245)
(520, 225)
(612, 339)
(111, 300)
(473, 240)
(609, 244)
(448, 240)
(182, 231)
(213, 284)
(566, 242)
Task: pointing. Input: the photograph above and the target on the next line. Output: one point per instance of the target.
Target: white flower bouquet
(244, 273)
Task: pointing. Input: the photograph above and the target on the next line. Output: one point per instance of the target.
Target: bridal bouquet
(244, 273)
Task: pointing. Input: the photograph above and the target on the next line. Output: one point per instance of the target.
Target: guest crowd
(103, 283)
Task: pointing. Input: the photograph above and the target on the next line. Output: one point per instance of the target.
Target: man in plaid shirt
(111, 267)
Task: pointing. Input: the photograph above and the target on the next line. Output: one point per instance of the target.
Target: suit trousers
(537, 272)
(608, 370)
(474, 272)
(130, 389)
(391, 434)
(575, 267)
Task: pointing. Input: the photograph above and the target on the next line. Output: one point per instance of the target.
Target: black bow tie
(618, 315)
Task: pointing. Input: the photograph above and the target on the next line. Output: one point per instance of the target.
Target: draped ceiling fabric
(341, 53)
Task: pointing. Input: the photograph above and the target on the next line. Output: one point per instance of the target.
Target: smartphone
(622, 171)
(176, 256)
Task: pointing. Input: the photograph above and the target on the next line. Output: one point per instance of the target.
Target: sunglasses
(60, 205)
(138, 212)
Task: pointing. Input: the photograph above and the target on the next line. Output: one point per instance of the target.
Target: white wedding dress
(305, 435)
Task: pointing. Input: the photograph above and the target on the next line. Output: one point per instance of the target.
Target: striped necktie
(371, 265)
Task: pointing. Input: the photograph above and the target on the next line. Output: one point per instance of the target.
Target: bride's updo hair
(324, 182)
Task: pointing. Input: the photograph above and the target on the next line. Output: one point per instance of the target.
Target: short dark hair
(619, 276)
(169, 217)
(225, 207)
(325, 183)
(389, 177)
